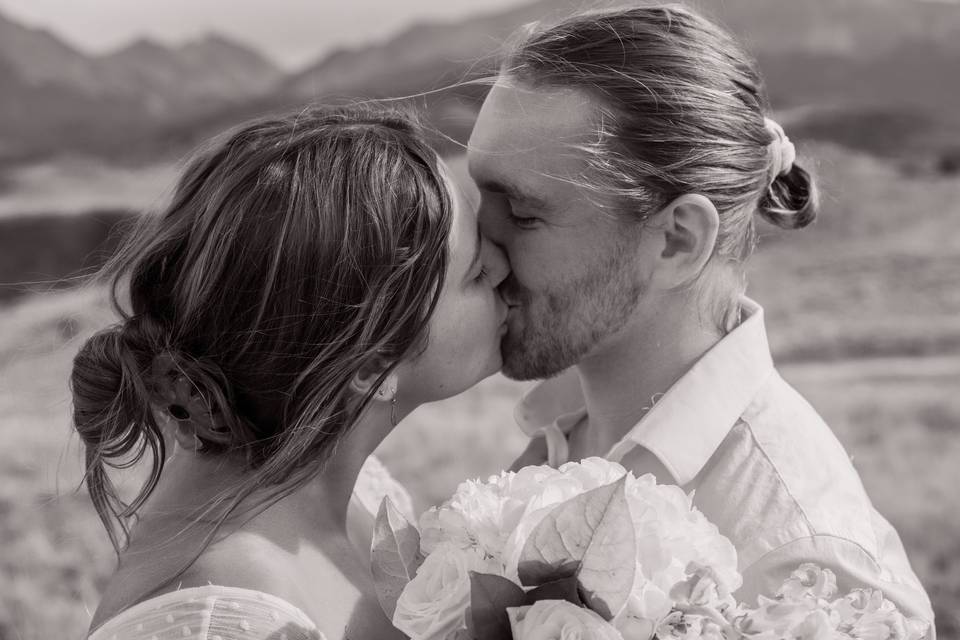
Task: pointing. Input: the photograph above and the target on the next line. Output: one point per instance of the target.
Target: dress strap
(558, 449)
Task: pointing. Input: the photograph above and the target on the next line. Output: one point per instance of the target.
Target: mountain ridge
(48, 83)
(876, 54)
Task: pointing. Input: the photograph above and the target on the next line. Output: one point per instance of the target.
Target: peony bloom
(559, 620)
(434, 605)
(672, 535)
(485, 514)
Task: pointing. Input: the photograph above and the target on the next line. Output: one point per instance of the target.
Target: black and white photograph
(480, 320)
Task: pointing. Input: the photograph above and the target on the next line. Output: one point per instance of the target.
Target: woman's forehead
(465, 199)
(463, 189)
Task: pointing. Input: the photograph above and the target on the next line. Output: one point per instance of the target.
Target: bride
(315, 278)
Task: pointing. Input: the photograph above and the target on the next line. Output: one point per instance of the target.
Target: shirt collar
(689, 422)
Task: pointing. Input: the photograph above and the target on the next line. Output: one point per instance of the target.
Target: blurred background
(100, 100)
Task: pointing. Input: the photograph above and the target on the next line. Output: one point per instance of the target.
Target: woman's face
(463, 344)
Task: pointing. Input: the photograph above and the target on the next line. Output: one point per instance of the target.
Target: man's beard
(561, 326)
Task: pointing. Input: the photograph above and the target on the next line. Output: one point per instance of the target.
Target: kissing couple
(317, 277)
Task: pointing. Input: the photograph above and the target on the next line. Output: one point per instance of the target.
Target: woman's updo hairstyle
(295, 251)
(681, 110)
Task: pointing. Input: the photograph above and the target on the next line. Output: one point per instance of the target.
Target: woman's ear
(690, 224)
(365, 379)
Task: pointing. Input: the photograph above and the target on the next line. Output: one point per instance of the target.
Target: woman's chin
(493, 366)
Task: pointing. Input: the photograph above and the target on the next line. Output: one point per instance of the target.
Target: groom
(621, 158)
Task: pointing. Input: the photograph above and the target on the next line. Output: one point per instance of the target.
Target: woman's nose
(495, 262)
(491, 225)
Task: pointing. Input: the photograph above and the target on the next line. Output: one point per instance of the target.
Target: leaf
(490, 595)
(609, 566)
(590, 537)
(563, 589)
(394, 555)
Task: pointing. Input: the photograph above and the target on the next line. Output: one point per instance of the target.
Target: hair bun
(111, 413)
(103, 380)
(792, 199)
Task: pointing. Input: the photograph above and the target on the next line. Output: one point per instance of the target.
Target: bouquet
(588, 551)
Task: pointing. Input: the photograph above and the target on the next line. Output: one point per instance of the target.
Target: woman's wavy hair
(295, 251)
(681, 110)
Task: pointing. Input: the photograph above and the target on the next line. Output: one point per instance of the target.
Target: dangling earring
(391, 392)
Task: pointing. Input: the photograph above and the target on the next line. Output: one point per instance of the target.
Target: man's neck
(622, 380)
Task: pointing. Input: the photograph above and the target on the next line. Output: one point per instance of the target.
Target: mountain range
(895, 63)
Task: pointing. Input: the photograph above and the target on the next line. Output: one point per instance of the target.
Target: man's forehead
(518, 118)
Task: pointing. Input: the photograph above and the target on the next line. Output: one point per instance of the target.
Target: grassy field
(863, 314)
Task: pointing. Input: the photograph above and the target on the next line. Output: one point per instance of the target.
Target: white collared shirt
(761, 463)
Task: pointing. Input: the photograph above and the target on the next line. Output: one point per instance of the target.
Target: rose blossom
(434, 604)
(559, 620)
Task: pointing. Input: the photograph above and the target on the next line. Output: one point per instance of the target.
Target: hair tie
(179, 397)
(782, 151)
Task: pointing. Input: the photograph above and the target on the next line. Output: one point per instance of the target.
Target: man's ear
(365, 379)
(689, 224)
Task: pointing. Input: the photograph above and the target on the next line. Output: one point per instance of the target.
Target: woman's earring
(390, 392)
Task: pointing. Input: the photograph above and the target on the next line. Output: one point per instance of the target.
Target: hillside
(898, 58)
(55, 98)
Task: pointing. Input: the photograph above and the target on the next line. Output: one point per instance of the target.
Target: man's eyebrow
(511, 191)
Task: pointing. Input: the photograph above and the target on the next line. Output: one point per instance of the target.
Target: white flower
(672, 534)
(774, 619)
(702, 608)
(865, 614)
(687, 626)
(485, 514)
(559, 620)
(809, 581)
(433, 606)
(807, 608)
(592, 473)
(544, 489)
(646, 605)
(816, 626)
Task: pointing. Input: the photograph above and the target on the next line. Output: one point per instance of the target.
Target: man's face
(576, 275)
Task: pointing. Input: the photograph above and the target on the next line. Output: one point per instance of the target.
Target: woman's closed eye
(482, 276)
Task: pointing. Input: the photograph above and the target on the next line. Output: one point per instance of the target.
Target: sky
(293, 33)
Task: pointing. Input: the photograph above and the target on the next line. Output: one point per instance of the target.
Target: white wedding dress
(216, 612)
